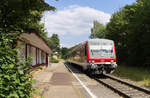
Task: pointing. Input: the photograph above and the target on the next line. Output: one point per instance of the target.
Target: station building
(34, 46)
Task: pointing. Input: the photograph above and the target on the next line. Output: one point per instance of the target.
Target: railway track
(124, 88)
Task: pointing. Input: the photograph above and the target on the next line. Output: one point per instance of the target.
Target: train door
(81, 54)
(85, 54)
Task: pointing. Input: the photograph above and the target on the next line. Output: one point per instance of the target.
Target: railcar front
(101, 56)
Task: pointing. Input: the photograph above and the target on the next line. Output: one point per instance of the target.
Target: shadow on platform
(74, 68)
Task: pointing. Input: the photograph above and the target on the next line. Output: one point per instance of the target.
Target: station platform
(65, 81)
(55, 82)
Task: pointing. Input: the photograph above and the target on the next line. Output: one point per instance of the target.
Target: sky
(73, 19)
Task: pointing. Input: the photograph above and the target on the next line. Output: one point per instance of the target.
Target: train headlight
(112, 61)
(93, 61)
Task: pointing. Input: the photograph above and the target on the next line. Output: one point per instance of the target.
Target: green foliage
(17, 16)
(130, 29)
(41, 30)
(53, 42)
(15, 82)
(140, 74)
(21, 14)
(117, 30)
(64, 52)
(98, 30)
(52, 59)
(140, 33)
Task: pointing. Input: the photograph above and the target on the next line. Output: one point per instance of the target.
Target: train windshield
(101, 51)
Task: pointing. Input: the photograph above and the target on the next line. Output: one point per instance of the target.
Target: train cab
(101, 56)
(95, 56)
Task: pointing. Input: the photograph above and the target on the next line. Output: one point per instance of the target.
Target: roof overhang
(36, 40)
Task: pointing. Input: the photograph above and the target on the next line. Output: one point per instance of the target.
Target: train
(95, 56)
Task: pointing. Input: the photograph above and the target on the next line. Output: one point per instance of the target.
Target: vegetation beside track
(17, 17)
(137, 74)
(129, 28)
(53, 60)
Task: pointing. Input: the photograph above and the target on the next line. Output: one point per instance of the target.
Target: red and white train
(96, 56)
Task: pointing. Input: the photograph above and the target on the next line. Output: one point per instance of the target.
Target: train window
(78, 52)
(85, 51)
(81, 51)
(75, 54)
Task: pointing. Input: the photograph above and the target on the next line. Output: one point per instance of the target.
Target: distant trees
(54, 42)
(130, 29)
(98, 30)
(64, 52)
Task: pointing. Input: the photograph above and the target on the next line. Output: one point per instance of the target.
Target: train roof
(100, 40)
(91, 41)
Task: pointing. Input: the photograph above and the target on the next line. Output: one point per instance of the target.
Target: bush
(138, 74)
(15, 82)
(53, 60)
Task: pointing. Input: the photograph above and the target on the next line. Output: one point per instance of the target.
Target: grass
(53, 60)
(137, 74)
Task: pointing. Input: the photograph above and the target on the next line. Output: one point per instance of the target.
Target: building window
(34, 56)
(29, 52)
(22, 52)
(43, 56)
(37, 56)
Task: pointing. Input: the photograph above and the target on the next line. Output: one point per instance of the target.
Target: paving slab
(61, 78)
(55, 82)
(61, 92)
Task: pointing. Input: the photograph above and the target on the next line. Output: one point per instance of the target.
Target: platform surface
(56, 81)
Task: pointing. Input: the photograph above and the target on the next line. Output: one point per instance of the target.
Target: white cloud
(75, 20)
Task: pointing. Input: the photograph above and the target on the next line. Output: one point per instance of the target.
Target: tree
(116, 30)
(16, 17)
(53, 42)
(130, 29)
(40, 28)
(139, 24)
(64, 52)
(21, 14)
(98, 30)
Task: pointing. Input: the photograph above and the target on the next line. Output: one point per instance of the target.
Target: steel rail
(121, 91)
(111, 87)
(129, 84)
